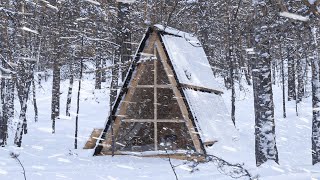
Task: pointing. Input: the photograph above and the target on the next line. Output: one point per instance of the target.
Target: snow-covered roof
(210, 115)
(192, 67)
(188, 58)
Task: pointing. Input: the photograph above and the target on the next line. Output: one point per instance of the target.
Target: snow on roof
(188, 58)
(211, 116)
(192, 67)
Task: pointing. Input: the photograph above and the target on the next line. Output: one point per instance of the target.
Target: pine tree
(265, 143)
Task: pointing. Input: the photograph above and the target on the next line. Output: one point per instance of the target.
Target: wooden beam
(91, 143)
(181, 103)
(179, 156)
(153, 120)
(155, 102)
(209, 143)
(152, 86)
(199, 88)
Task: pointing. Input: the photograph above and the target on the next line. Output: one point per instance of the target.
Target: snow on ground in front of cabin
(49, 157)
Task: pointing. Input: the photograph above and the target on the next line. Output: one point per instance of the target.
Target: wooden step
(91, 143)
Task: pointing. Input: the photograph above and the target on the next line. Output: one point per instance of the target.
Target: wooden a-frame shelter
(155, 113)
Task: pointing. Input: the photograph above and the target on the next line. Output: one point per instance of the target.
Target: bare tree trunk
(98, 72)
(55, 104)
(265, 140)
(301, 63)
(315, 138)
(78, 99)
(22, 125)
(69, 96)
(24, 80)
(35, 107)
(291, 74)
(103, 73)
(283, 84)
(3, 112)
(125, 36)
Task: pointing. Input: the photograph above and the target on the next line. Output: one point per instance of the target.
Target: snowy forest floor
(48, 156)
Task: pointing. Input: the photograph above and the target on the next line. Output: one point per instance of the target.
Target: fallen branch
(15, 156)
(172, 167)
(233, 170)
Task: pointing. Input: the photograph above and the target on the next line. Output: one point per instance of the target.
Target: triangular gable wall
(152, 115)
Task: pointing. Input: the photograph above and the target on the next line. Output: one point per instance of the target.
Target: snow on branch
(49, 5)
(5, 77)
(29, 30)
(294, 16)
(126, 1)
(8, 71)
(27, 59)
(10, 64)
(93, 2)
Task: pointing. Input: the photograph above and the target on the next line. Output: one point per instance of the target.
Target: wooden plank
(199, 88)
(152, 86)
(209, 143)
(153, 120)
(179, 156)
(183, 107)
(91, 143)
(155, 102)
(150, 44)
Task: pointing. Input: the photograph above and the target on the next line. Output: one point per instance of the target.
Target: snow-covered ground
(52, 156)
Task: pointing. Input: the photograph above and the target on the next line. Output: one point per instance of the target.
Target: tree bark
(69, 96)
(283, 84)
(98, 72)
(291, 74)
(315, 138)
(265, 141)
(35, 107)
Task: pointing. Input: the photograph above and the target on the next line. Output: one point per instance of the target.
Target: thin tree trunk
(103, 73)
(69, 96)
(283, 84)
(22, 126)
(98, 73)
(78, 100)
(3, 112)
(23, 87)
(291, 74)
(55, 104)
(35, 107)
(300, 70)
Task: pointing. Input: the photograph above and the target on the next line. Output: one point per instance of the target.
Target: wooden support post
(155, 102)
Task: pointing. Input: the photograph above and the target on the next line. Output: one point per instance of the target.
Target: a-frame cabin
(168, 94)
